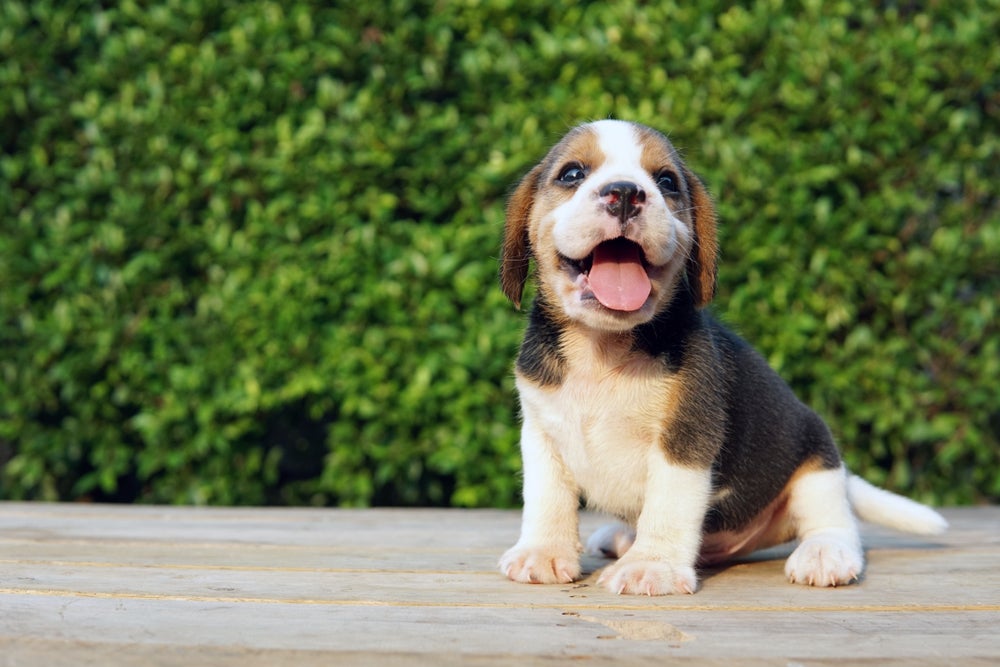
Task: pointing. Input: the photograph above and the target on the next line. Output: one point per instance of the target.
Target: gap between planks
(916, 608)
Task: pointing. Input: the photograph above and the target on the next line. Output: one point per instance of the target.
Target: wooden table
(139, 585)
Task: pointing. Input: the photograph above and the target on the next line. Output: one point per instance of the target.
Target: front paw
(825, 561)
(541, 565)
(648, 577)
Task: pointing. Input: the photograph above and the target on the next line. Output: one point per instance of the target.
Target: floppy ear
(516, 246)
(701, 266)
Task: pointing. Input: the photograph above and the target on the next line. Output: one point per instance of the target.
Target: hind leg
(829, 553)
(611, 541)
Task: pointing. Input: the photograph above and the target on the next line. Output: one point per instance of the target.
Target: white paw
(541, 565)
(825, 561)
(648, 577)
(610, 541)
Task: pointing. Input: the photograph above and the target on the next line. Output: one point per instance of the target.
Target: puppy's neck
(667, 335)
(585, 346)
(664, 337)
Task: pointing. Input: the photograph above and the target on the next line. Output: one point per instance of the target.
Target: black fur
(762, 433)
(734, 413)
(541, 359)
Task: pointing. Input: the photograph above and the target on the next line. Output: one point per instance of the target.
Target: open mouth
(615, 273)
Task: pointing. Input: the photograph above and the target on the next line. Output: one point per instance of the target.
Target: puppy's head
(616, 224)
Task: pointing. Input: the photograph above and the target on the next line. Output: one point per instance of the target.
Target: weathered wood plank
(85, 584)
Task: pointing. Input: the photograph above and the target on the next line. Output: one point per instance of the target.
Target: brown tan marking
(702, 263)
(516, 253)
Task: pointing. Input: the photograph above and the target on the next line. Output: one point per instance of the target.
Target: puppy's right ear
(516, 246)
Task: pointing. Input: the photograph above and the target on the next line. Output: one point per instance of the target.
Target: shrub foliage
(249, 249)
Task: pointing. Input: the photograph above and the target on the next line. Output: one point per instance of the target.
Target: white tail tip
(879, 506)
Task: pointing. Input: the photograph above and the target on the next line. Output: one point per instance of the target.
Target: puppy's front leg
(548, 551)
(668, 532)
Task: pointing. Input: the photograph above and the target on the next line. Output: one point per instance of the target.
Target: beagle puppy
(635, 399)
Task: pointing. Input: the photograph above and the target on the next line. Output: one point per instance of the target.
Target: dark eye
(572, 174)
(666, 181)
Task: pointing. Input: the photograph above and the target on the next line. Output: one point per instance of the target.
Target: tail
(879, 506)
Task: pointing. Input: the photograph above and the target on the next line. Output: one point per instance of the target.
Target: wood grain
(118, 585)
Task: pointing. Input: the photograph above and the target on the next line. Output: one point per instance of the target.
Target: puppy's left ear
(516, 250)
(702, 263)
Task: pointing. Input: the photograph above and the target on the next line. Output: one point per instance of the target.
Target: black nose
(623, 199)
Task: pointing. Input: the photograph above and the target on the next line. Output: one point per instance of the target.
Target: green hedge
(249, 249)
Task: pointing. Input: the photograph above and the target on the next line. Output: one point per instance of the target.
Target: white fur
(548, 549)
(598, 434)
(829, 553)
(601, 422)
(883, 507)
(582, 222)
(611, 540)
(668, 533)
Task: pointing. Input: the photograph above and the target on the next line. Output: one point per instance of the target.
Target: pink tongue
(617, 278)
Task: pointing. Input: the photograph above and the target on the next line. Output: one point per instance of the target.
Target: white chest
(601, 423)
